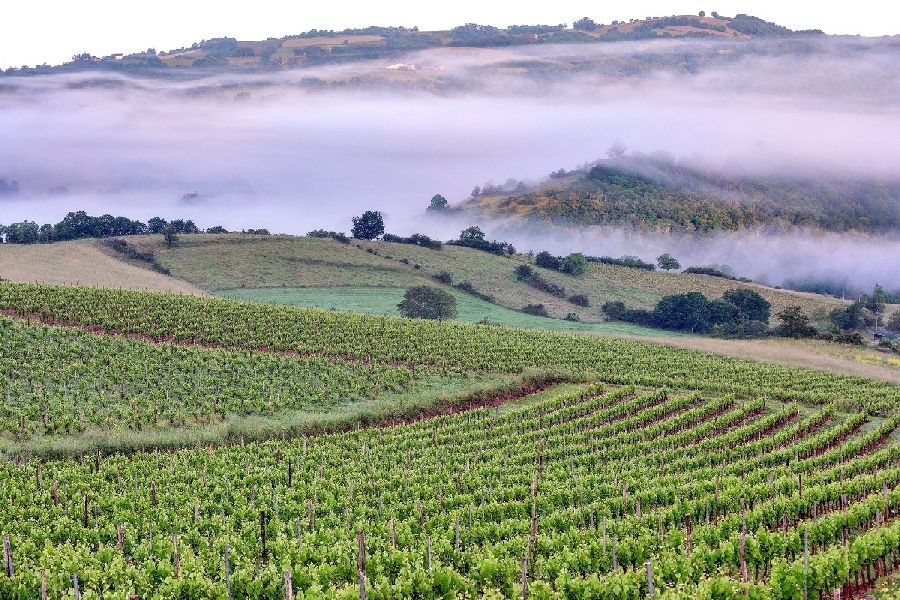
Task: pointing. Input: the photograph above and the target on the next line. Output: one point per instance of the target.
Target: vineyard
(443, 347)
(579, 495)
(652, 472)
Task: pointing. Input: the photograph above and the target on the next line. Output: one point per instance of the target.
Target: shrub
(579, 300)
(547, 261)
(573, 317)
(536, 309)
(524, 272)
(444, 277)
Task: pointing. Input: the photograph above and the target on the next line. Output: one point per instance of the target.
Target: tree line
(80, 225)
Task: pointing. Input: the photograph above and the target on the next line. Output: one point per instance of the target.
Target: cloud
(313, 147)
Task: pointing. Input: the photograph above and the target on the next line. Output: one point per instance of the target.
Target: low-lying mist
(310, 148)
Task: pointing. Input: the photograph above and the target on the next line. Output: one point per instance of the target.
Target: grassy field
(383, 301)
(227, 262)
(82, 262)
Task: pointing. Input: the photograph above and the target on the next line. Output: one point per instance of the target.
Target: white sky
(37, 31)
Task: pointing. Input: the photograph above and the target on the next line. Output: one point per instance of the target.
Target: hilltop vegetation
(656, 193)
(317, 47)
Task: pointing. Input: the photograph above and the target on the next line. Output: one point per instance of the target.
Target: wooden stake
(7, 557)
(121, 532)
(687, 538)
(43, 584)
(75, 586)
(288, 586)
(393, 534)
(227, 573)
(176, 556)
(361, 563)
(650, 589)
(524, 575)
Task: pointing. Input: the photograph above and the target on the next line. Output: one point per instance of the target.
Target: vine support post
(687, 540)
(288, 586)
(361, 562)
(75, 586)
(7, 557)
(176, 557)
(805, 562)
(121, 531)
(43, 584)
(650, 591)
(743, 560)
(525, 575)
(429, 551)
(227, 573)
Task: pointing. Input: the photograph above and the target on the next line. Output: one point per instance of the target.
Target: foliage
(850, 318)
(750, 305)
(710, 271)
(339, 236)
(632, 262)
(574, 264)
(473, 237)
(794, 323)
(893, 323)
(219, 323)
(667, 262)
(424, 302)
(471, 233)
(579, 300)
(656, 194)
(445, 277)
(538, 310)
(547, 261)
(438, 204)
(170, 235)
(368, 226)
(416, 239)
(687, 312)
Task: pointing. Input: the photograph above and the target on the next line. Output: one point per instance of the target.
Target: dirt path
(784, 352)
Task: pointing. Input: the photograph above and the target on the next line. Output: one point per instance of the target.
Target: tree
(438, 204)
(369, 226)
(893, 323)
(574, 264)
(667, 262)
(751, 306)
(424, 302)
(155, 225)
(171, 235)
(687, 312)
(584, 24)
(471, 233)
(794, 323)
(547, 261)
(702, 13)
(616, 151)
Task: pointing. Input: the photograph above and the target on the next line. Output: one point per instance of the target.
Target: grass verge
(433, 396)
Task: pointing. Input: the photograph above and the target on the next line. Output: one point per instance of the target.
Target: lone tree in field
(667, 262)
(170, 235)
(424, 302)
(369, 226)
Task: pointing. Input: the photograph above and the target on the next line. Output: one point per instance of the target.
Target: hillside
(658, 194)
(82, 262)
(216, 263)
(174, 446)
(318, 47)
